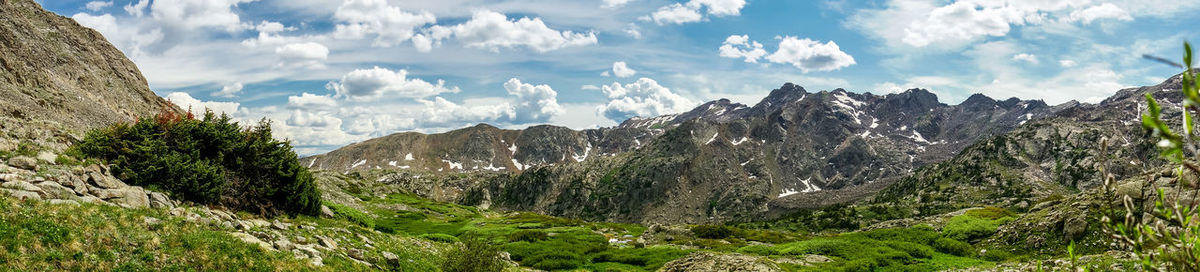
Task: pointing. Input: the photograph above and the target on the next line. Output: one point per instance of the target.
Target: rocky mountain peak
(53, 69)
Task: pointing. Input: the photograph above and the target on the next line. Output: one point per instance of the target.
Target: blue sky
(334, 72)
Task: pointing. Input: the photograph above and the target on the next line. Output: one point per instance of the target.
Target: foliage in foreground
(1170, 242)
(41, 236)
(210, 161)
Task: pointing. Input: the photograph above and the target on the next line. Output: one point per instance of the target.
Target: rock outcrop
(54, 70)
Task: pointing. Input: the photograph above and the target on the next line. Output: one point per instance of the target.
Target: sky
(328, 73)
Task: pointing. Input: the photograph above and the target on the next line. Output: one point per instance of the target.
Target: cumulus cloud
(614, 3)
(98, 5)
(620, 69)
(185, 101)
(741, 47)
(229, 91)
(1067, 63)
(309, 54)
(1026, 57)
(1102, 11)
(390, 25)
(677, 13)
(365, 84)
(644, 98)
(806, 54)
(535, 103)
(493, 31)
(959, 23)
(312, 101)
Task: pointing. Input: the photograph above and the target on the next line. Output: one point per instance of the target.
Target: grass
(39, 236)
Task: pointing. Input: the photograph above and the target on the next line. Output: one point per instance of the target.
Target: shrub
(210, 161)
(527, 236)
(474, 255)
(968, 228)
(951, 246)
(439, 237)
(990, 213)
(713, 231)
(554, 260)
(351, 214)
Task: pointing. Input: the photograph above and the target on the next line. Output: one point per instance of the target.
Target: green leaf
(1187, 55)
(1187, 122)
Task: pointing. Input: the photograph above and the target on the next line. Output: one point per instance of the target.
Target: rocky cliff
(54, 70)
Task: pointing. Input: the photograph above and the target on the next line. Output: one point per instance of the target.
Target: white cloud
(365, 84)
(493, 30)
(961, 21)
(196, 14)
(645, 98)
(720, 7)
(1026, 57)
(309, 54)
(806, 54)
(740, 46)
(138, 9)
(229, 91)
(312, 101)
(1067, 63)
(535, 103)
(1102, 11)
(614, 3)
(956, 24)
(620, 69)
(633, 31)
(810, 55)
(98, 5)
(677, 13)
(185, 101)
(391, 25)
(589, 87)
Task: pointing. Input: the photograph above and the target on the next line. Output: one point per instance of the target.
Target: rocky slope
(53, 69)
(718, 162)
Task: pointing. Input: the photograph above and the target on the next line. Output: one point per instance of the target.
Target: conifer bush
(211, 160)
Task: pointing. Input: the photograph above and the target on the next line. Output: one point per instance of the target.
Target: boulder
(160, 201)
(355, 253)
(7, 177)
(327, 242)
(23, 162)
(391, 258)
(53, 190)
(130, 197)
(715, 262)
(47, 157)
(325, 211)
(22, 186)
(90, 199)
(105, 181)
(64, 202)
(284, 245)
(252, 240)
(22, 195)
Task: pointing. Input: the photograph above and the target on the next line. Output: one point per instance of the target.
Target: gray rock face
(66, 73)
(22, 195)
(21, 185)
(131, 197)
(99, 176)
(23, 162)
(160, 201)
(52, 190)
